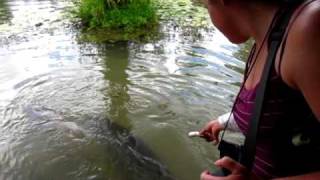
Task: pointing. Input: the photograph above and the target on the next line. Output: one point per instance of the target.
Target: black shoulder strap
(275, 40)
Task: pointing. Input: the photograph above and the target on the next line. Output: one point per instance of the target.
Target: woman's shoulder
(303, 42)
(301, 58)
(307, 18)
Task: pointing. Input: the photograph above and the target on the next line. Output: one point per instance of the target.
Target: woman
(294, 98)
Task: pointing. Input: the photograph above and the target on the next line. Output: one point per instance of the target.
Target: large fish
(42, 143)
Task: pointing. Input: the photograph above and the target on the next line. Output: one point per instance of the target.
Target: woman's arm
(232, 125)
(211, 130)
(301, 60)
(301, 66)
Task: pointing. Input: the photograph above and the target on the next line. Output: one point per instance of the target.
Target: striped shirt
(285, 114)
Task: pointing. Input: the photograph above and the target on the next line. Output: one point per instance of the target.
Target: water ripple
(76, 110)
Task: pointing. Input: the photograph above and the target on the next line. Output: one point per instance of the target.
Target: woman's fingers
(231, 165)
(211, 132)
(206, 175)
(216, 132)
(206, 133)
(207, 136)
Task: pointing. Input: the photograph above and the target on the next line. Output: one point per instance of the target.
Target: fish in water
(59, 146)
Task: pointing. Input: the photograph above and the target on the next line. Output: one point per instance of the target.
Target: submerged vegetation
(185, 13)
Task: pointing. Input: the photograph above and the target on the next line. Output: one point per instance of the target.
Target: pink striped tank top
(285, 109)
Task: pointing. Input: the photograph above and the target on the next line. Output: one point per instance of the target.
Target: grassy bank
(124, 15)
(138, 20)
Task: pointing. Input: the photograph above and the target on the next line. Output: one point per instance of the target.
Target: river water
(77, 110)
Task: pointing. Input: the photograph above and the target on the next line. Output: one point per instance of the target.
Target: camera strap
(275, 40)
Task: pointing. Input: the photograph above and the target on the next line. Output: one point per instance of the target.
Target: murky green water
(118, 111)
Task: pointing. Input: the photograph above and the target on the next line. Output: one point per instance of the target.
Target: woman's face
(226, 19)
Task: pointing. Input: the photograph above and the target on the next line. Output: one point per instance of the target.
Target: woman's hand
(238, 171)
(211, 131)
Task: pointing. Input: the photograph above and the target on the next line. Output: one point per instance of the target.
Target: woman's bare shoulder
(308, 19)
(301, 60)
(302, 43)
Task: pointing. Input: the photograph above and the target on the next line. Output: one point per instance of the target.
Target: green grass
(135, 20)
(126, 15)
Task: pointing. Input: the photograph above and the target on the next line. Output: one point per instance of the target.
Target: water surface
(79, 110)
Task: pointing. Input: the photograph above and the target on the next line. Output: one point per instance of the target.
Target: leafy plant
(117, 14)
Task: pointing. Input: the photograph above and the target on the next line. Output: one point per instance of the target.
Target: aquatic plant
(183, 13)
(124, 15)
(138, 20)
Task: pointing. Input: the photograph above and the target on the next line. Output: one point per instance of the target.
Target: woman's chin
(238, 40)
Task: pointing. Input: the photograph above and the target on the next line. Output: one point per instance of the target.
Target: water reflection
(116, 60)
(244, 50)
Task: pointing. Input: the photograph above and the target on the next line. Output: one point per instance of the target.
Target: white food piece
(194, 134)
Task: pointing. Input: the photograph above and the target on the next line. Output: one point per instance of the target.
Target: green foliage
(124, 15)
(184, 13)
(118, 20)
